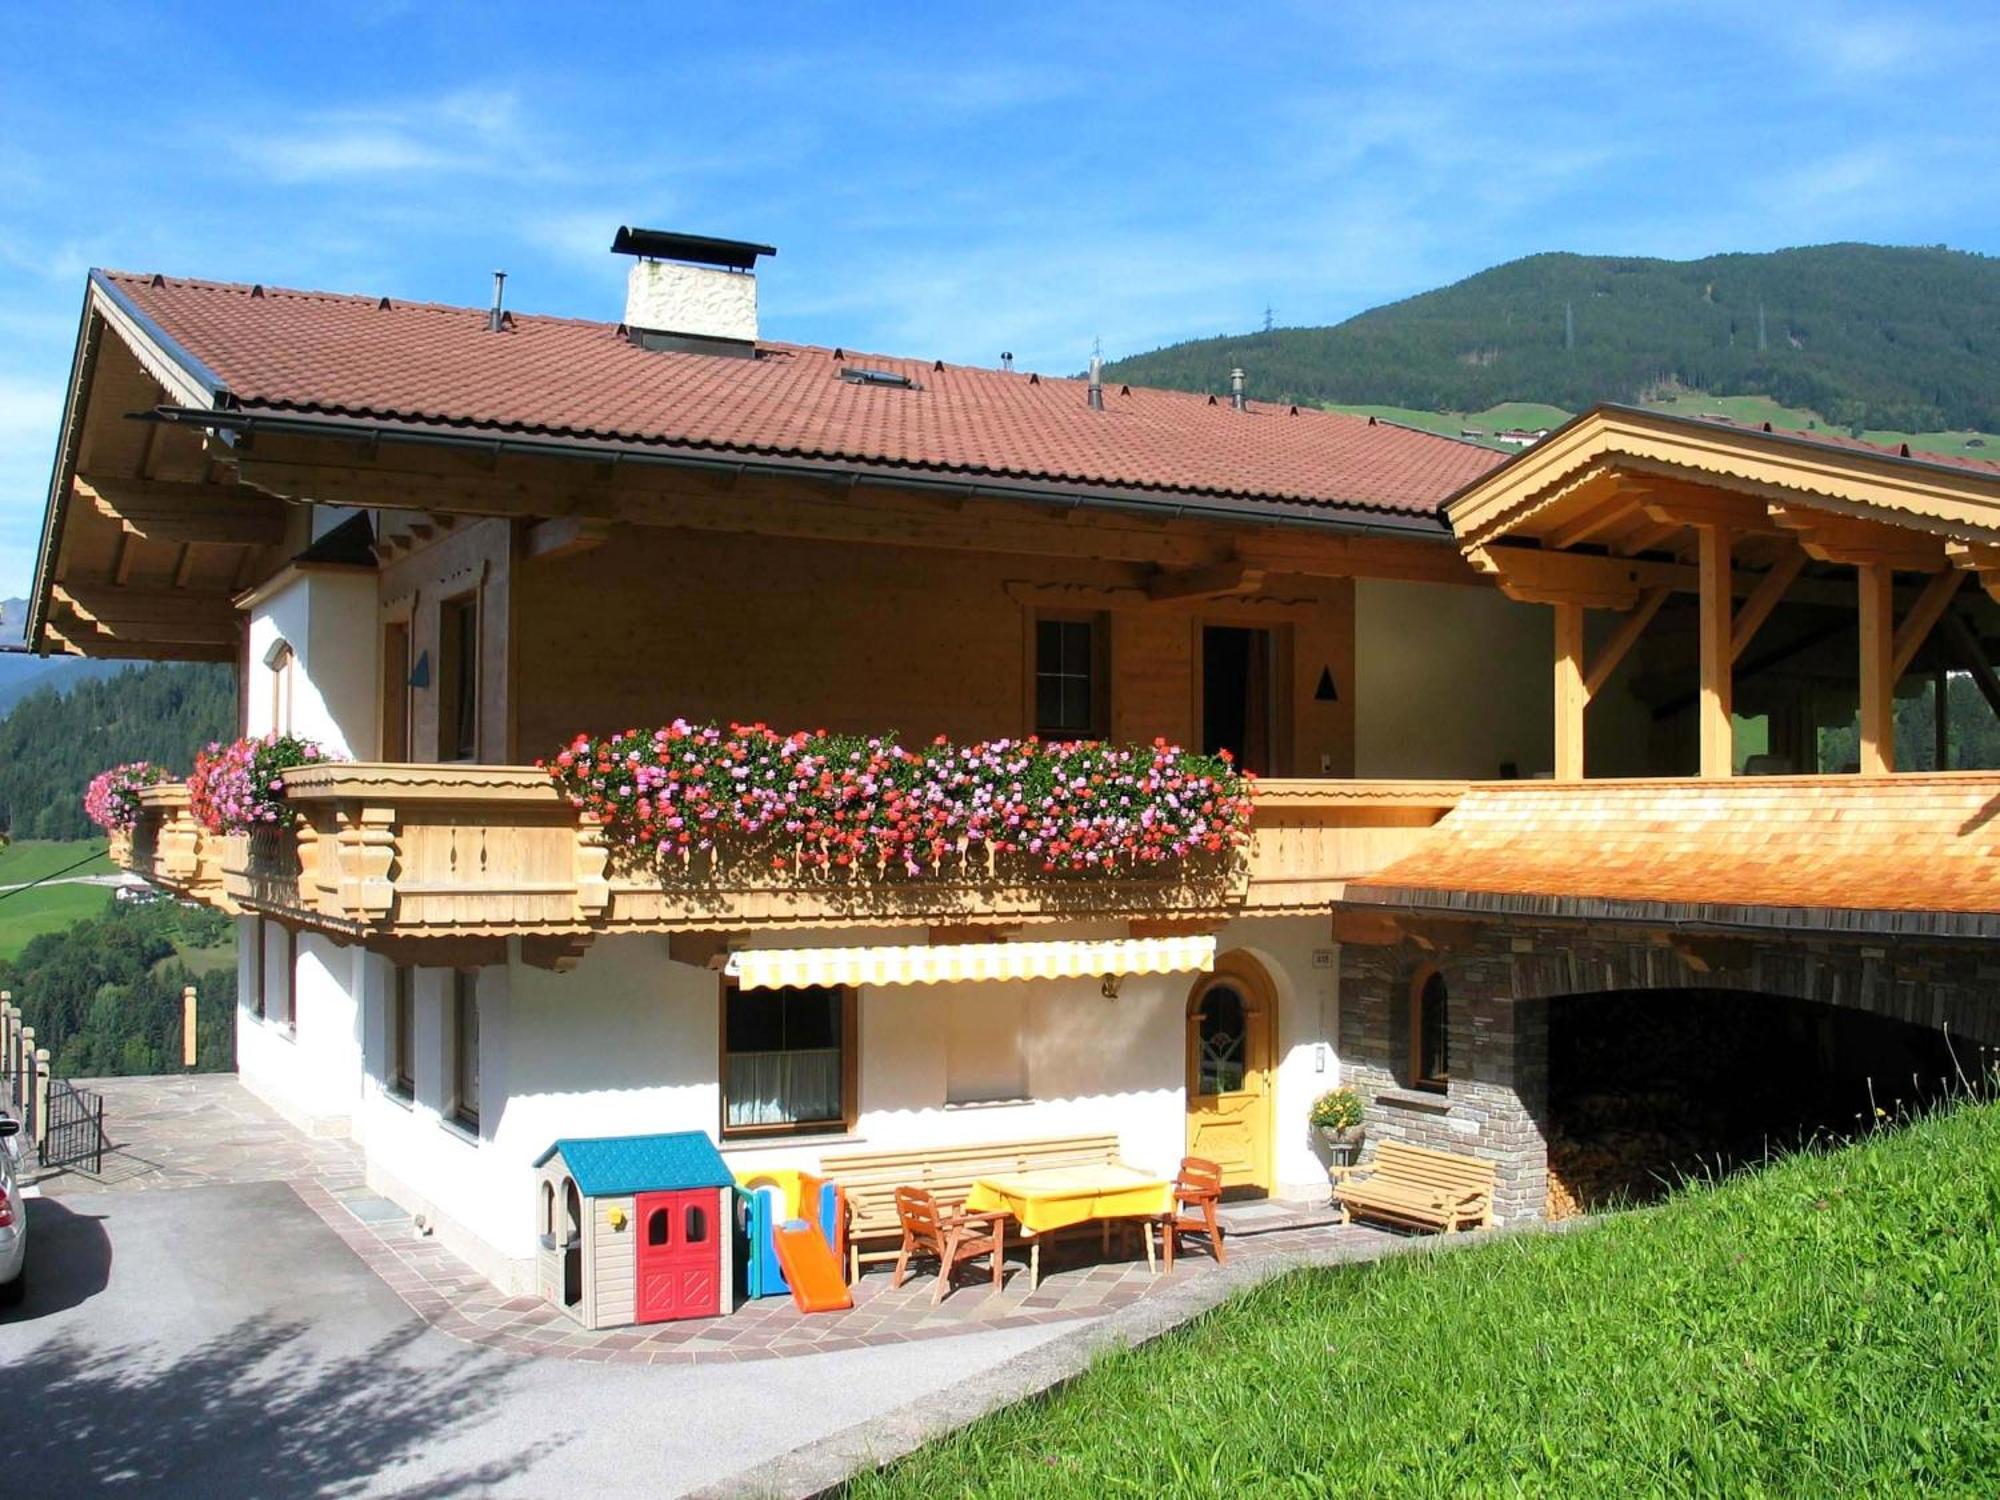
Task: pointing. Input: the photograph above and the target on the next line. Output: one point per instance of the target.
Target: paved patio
(207, 1129)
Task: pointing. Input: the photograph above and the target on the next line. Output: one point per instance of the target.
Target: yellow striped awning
(787, 968)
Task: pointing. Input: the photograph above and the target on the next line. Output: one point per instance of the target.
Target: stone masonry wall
(1500, 978)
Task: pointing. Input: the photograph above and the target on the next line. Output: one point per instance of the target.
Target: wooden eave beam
(1981, 559)
(1644, 538)
(1615, 650)
(94, 601)
(161, 511)
(564, 536)
(1922, 617)
(1591, 521)
(821, 511)
(1858, 543)
(1691, 505)
(1763, 599)
(1217, 581)
(1531, 576)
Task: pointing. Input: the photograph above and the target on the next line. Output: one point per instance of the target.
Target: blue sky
(953, 180)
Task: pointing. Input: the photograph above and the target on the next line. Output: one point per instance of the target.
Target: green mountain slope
(52, 743)
(1868, 336)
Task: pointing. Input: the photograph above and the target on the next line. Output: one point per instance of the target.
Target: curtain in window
(783, 1088)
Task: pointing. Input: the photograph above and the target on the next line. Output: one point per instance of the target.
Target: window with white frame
(464, 1024)
(401, 1071)
(282, 665)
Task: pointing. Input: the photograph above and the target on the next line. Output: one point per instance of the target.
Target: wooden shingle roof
(1915, 855)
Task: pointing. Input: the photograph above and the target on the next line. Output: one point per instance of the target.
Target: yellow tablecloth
(1058, 1197)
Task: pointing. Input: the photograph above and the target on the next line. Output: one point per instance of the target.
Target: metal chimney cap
(701, 249)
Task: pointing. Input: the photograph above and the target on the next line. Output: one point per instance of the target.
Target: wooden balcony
(395, 854)
(173, 851)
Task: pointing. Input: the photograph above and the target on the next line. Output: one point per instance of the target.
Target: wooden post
(24, 1079)
(1718, 747)
(188, 1038)
(41, 1097)
(1941, 720)
(1877, 587)
(1570, 696)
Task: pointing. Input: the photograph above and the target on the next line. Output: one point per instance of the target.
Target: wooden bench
(869, 1180)
(1419, 1188)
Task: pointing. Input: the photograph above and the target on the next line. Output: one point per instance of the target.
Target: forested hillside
(105, 994)
(1866, 335)
(51, 744)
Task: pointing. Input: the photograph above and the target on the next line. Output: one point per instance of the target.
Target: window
(983, 1058)
(1430, 1032)
(787, 1059)
(396, 690)
(403, 1033)
(288, 948)
(280, 660)
(1222, 1041)
(658, 1223)
(465, 1049)
(260, 976)
(1067, 679)
(458, 678)
(694, 1225)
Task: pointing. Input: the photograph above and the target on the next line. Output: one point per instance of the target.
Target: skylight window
(854, 375)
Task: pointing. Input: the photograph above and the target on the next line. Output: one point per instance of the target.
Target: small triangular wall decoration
(1325, 693)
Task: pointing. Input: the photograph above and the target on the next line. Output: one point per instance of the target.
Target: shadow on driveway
(250, 1412)
(69, 1260)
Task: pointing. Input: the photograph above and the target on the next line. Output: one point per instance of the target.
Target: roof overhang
(1617, 488)
(166, 554)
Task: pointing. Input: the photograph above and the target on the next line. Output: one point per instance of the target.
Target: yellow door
(1229, 1073)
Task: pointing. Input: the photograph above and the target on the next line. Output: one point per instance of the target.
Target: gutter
(242, 426)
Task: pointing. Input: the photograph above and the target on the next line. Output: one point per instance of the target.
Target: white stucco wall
(309, 1072)
(706, 300)
(628, 1043)
(326, 618)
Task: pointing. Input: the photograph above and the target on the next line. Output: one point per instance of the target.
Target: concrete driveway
(220, 1340)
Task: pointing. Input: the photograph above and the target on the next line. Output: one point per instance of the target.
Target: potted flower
(1336, 1115)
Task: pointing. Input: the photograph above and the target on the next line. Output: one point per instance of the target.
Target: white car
(13, 1218)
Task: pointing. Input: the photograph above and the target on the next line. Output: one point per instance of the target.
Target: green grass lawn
(32, 859)
(1829, 1326)
(26, 914)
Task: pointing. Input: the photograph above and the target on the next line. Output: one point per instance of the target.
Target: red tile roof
(1825, 439)
(1916, 853)
(420, 362)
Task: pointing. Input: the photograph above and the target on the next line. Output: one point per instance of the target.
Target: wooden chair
(1199, 1188)
(954, 1237)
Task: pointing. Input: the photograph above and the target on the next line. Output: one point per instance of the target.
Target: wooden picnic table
(1054, 1198)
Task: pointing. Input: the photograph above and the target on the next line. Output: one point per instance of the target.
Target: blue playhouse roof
(606, 1166)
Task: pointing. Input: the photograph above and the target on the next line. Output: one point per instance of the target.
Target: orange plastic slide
(810, 1268)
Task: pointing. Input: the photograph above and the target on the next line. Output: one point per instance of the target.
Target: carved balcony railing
(173, 851)
(394, 852)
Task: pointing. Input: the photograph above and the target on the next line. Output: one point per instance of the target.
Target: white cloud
(465, 132)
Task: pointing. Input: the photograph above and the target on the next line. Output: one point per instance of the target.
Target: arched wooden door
(1230, 1019)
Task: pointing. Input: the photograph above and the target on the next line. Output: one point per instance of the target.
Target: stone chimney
(689, 292)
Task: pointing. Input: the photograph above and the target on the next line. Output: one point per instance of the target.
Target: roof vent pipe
(1236, 391)
(1096, 383)
(1007, 363)
(499, 286)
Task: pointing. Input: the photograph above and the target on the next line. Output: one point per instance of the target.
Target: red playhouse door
(679, 1263)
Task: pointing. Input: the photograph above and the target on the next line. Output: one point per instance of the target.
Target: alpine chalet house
(443, 543)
